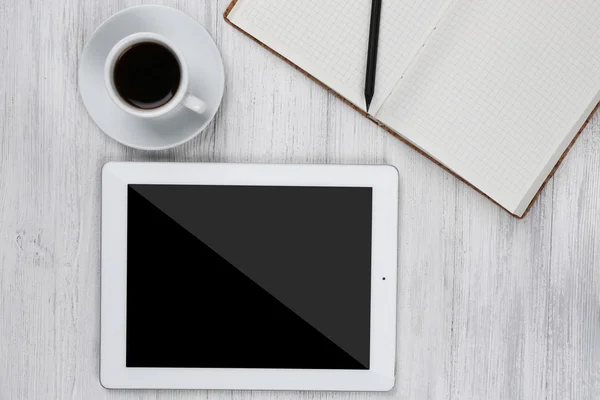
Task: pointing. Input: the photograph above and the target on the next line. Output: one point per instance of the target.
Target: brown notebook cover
(392, 132)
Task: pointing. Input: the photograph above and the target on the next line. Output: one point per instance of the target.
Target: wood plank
(500, 299)
(426, 274)
(489, 306)
(574, 323)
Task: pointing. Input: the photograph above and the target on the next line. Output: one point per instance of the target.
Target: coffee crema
(147, 75)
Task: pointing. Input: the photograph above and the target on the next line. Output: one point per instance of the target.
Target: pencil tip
(368, 100)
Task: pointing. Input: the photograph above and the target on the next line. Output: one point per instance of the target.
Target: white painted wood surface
(490, 307)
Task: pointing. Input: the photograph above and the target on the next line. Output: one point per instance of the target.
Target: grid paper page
(500, 89)
(329, 38)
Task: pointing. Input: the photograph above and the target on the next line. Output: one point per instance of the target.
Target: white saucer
(207, 77)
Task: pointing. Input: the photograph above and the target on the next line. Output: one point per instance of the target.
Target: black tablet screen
(248, 277)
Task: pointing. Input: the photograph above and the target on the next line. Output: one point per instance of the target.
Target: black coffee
(147, 75)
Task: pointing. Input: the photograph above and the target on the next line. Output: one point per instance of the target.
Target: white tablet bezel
(115, 179)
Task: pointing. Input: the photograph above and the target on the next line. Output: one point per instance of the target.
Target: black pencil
(372, 52)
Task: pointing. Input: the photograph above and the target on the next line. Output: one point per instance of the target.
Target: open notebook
(495, 91)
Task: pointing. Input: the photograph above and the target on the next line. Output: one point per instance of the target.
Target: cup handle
(194, 103)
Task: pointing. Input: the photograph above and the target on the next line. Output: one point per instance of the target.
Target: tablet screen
(248, 277)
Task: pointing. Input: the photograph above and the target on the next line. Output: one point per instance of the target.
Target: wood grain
(490, 307)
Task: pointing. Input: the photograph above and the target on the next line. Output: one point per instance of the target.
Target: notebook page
(499, 91)
(329, 38)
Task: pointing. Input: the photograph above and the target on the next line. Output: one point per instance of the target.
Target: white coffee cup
(182, 97)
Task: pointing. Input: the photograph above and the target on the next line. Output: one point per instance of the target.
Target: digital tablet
(242, 276)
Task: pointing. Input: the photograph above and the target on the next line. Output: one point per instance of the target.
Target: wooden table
(490, 307)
